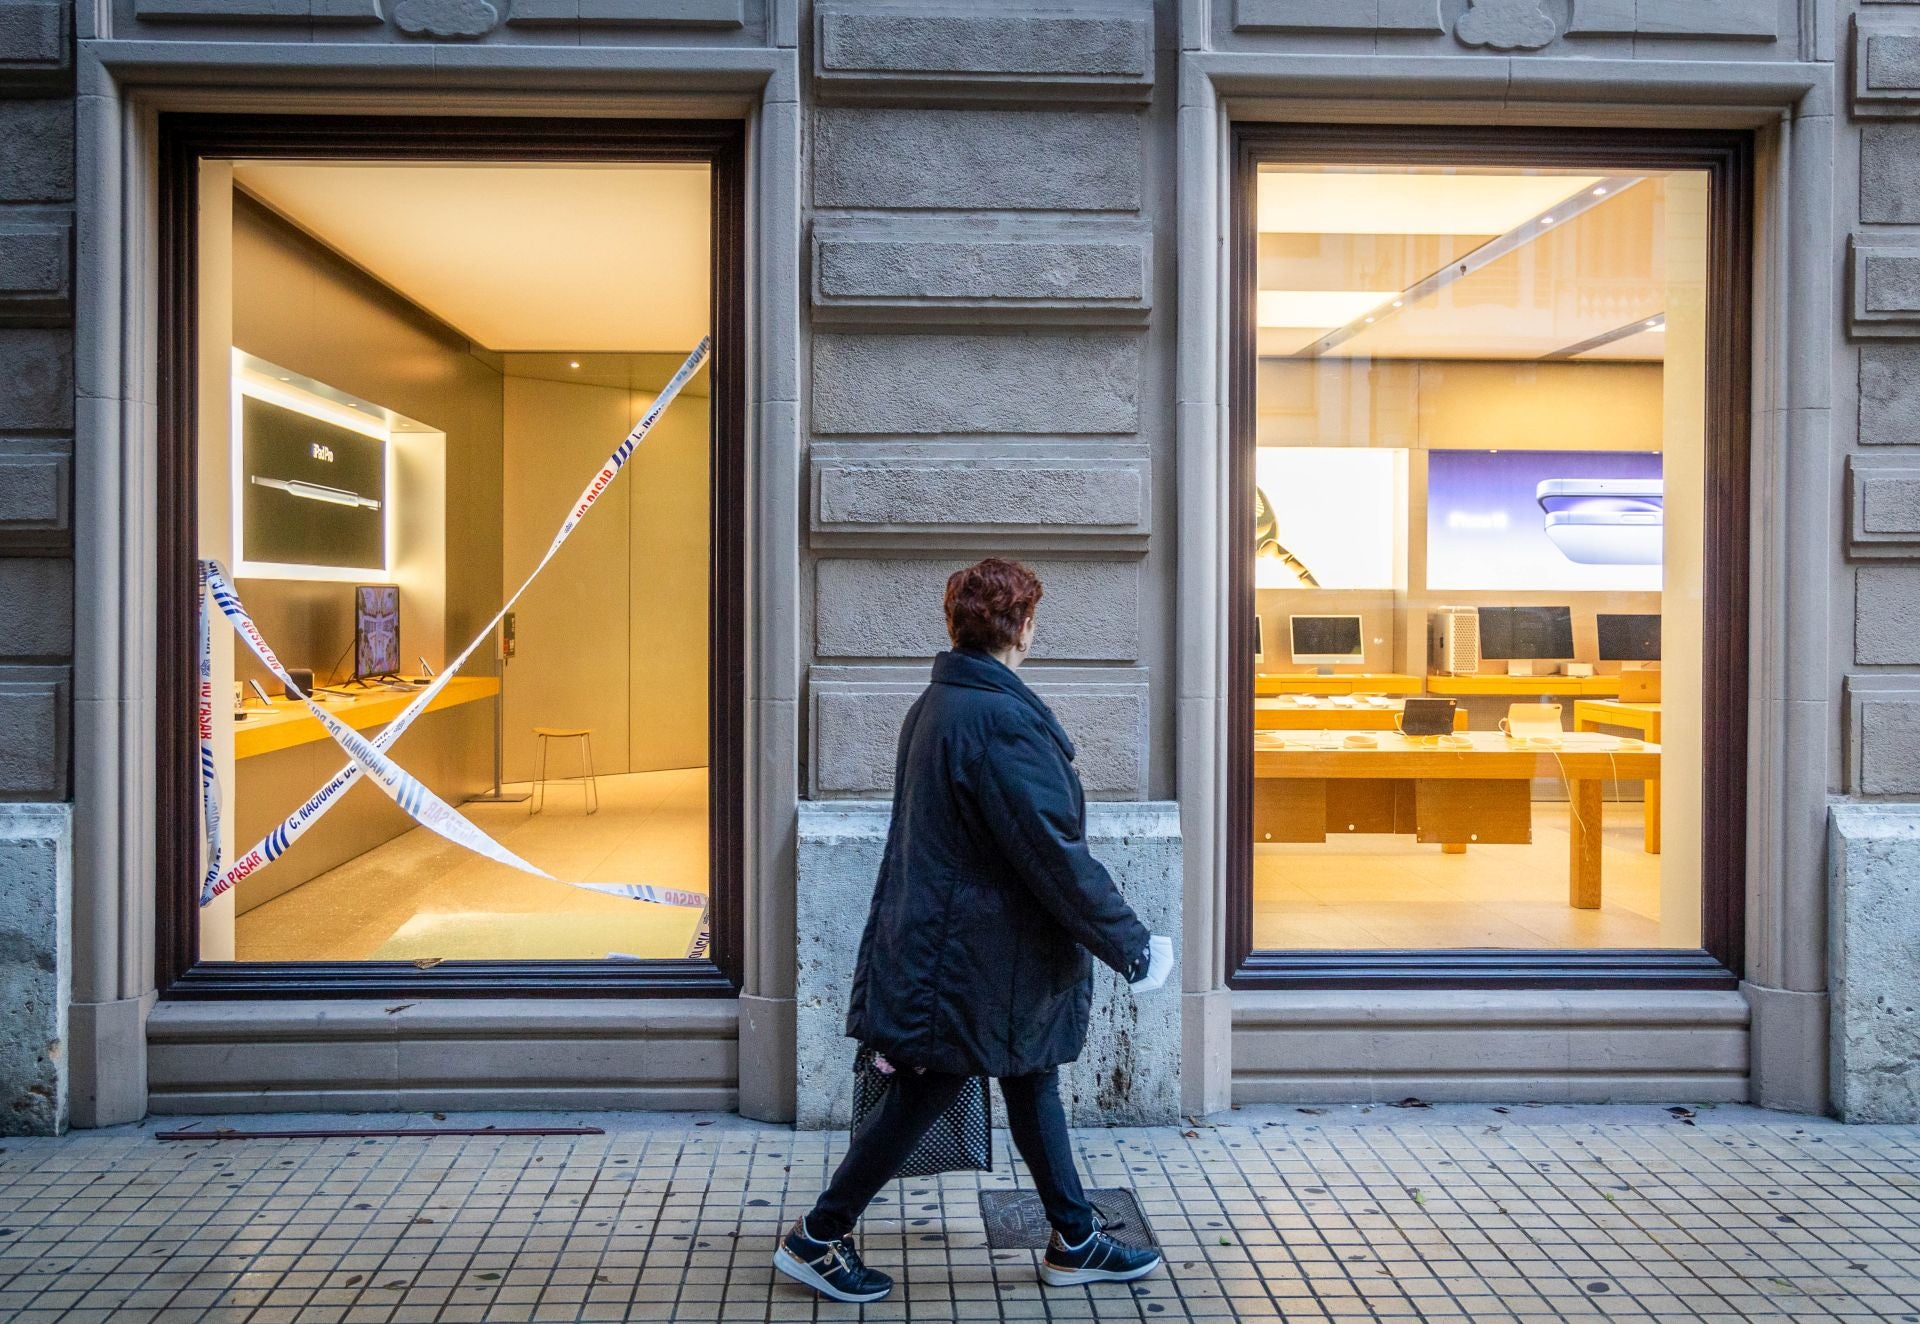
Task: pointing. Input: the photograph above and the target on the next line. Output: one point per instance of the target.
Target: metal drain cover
(1016, 1221)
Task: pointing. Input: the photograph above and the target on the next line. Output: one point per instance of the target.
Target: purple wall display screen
(1541, 521)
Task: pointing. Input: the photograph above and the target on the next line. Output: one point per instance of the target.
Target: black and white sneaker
(1098, 1259)
(831, 1268)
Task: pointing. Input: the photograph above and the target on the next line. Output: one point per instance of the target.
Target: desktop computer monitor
(376, 631)
(1628, 638)
(1326, 640)
(1527, 633)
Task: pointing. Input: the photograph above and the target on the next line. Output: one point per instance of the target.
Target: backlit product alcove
(1478, 512)
(408, 372)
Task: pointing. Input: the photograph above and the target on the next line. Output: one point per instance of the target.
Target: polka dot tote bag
(960, 1139)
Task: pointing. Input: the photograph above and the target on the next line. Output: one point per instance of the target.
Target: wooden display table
(1282, 714)
(1307, 682)
(1307, 784)
(288, 723)
(1524, 686)
(1592, 714)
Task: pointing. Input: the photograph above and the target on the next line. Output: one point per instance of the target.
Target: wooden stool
(589, 785)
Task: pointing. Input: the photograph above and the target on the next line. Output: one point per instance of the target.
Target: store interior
(1478, 511)
(408, 372)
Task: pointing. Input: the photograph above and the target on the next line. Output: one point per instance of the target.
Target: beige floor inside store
(1392, 892)
(419, 897)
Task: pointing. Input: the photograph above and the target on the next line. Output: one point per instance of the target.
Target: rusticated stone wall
(1874, 870)
(36, 552)
(988, 376)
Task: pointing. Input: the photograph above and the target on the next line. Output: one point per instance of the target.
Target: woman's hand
(1159, 965)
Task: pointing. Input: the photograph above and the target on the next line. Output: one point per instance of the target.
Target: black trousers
(889, 1133)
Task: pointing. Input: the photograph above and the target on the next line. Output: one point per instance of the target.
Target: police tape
(278, 841)
(209, 773)
(406, 790)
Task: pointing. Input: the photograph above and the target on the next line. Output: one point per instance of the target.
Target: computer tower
(1453, 641)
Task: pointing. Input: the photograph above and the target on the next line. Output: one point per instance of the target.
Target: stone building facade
(988, 288)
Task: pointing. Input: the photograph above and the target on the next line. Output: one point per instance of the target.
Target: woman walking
(974, 961)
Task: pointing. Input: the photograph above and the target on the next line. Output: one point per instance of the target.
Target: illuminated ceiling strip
(1658, 322)
(1488, 253)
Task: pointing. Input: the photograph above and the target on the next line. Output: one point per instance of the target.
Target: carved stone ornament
(445, 18)
(1507, 25)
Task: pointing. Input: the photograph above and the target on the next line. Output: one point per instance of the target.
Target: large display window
(454, 553)
(1488, 620)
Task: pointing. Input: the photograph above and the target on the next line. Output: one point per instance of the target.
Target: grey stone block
(886, 494)
(1890, 395)
(1874, 962)
(33, 35)
(631, 13)
(1886, 622)
(34, 498)
(1129, 1073)
(1011, 160)
(872, 607)
(268, 11)
(1889, 62)
(36, 151)
(987, 43)
(34, 751)
(1890, 173)
(1015, 273)
(1885, 285)
(36, 379)
(1889, 738)
(855, 714)
(1352, 16)
(36, 891)
(1883, 507)
(1049, 384)
(36, 608)
(36, 267)
(1754, 19)
(1880, 735)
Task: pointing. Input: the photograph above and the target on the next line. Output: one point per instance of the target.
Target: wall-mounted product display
(311, 486)
(1328, 517)
(1544, 520)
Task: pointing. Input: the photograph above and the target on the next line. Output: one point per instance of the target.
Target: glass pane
(409, 372)
(1477, 557)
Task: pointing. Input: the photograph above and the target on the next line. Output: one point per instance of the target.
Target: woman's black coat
(974, 958)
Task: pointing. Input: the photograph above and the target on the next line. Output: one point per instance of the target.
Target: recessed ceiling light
(1600, 192)
(286, 379)
(1369, 321)
(1399, 303)
(1657, 324)
(574, 364)
(1546, 220)
(1363, 202)
(1325, 309)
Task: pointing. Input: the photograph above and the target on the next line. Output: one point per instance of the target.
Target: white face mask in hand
(1159, 965)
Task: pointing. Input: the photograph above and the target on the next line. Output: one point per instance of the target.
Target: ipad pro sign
(1545, 520)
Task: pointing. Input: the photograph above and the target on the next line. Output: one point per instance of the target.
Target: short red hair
(988, 603)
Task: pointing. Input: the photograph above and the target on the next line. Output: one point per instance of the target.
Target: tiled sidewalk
(1450, 1213)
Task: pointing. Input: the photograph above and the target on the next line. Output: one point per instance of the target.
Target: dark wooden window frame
(1727, 158)
(186, 140)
